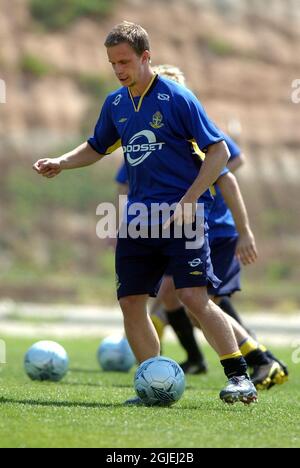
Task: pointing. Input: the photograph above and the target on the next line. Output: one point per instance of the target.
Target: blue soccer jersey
(122, 176)
(220, 220)
(157, 132)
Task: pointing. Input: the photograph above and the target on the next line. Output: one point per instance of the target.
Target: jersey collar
(145, 93)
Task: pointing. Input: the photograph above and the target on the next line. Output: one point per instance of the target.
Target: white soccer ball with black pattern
(159, 381)
(46, 360)
(114, 354)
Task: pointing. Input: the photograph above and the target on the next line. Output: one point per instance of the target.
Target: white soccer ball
(46, 360)
(114, 354)
(159, 381)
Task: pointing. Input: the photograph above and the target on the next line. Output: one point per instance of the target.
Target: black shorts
(141, 263)
(226, 266)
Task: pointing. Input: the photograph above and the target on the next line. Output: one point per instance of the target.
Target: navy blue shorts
(226, 266)
(141, 264)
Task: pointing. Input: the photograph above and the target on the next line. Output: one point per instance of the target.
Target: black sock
(235, 367)
(257, 358)
(271, 355)
(184, 331)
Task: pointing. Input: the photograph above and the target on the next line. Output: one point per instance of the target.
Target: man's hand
(246, 250)
(48, 167)
(184, 213)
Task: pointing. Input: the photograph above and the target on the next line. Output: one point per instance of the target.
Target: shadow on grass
(233, 409)
(60, 404)
(81, 384)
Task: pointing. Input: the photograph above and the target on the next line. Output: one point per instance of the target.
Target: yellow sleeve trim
(201, 155)
(197, 150)
(114, 147)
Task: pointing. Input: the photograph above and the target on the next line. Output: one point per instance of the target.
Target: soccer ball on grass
(46, 360)
(159, 381)
(115, 354)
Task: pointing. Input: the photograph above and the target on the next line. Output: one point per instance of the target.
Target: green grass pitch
(85, 409)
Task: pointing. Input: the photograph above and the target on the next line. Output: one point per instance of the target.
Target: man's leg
(183, 328)
(213, 322)
(219, 333)
(139, 328)
(139, 267)
(225, 303)
(267, 370)
(158, 317)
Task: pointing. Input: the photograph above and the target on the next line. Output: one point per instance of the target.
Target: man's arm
(246, 248)
(215, 160)
(235, 163)
(83, 155)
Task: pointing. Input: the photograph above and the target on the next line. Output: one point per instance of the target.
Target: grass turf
(85, 409)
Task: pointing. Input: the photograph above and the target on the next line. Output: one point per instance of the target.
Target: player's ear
(146, 57)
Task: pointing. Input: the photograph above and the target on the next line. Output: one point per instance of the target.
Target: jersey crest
(157, 120)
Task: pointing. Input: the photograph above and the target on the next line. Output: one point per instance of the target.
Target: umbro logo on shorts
(196, 262)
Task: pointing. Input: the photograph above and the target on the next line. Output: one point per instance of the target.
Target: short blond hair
(171, 72)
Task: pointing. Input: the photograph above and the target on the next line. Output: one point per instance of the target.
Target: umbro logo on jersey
(124, 119)
(117, 99)
(157, 120)
(196, 262)
(163, 97)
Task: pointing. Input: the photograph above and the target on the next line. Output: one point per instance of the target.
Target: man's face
(127, 65)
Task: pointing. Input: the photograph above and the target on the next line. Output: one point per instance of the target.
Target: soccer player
(268, 370)
(231, 239)
(156, 121)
